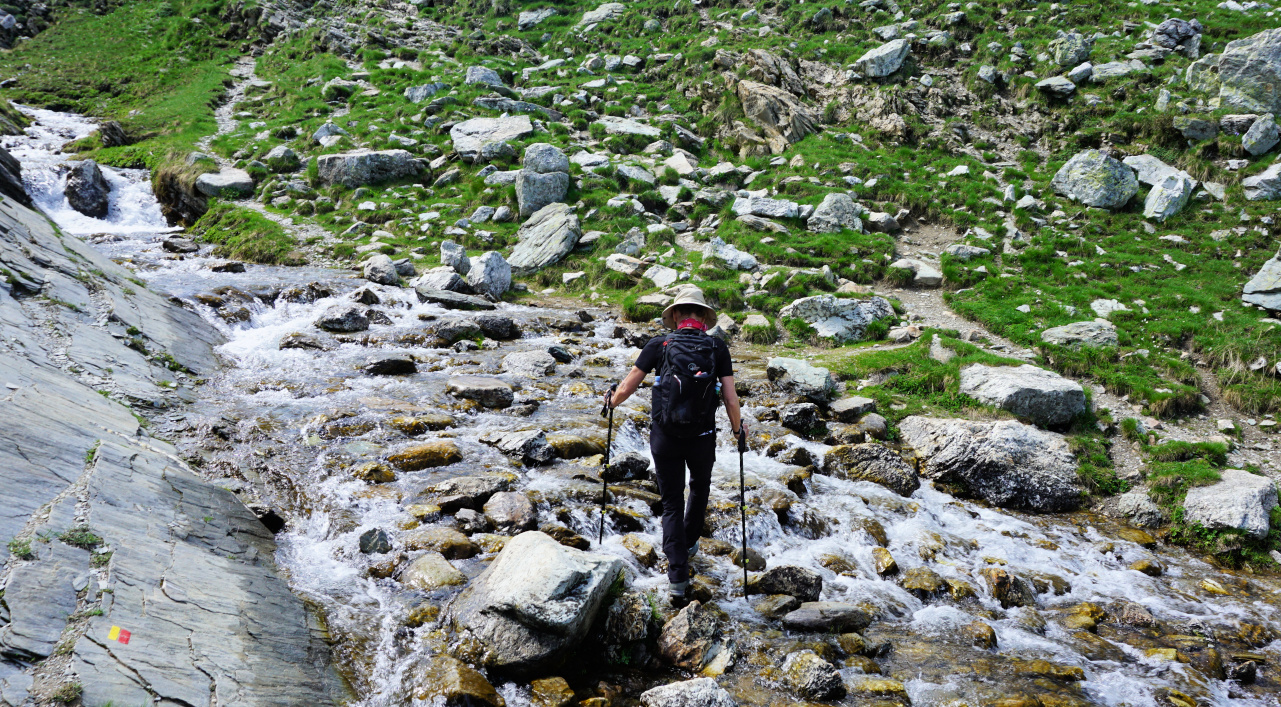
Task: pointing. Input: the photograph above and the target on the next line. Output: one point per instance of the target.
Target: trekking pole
(607, 411)
(742, 502)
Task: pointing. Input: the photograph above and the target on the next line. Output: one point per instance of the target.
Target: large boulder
(354, 169)
(1094, 179)
(470, 136)
(1070, 49)
(700, 692)
(11, 186)
(1150, 170)
(489, 392)
(1004, 462)
(1250, 73)
(380, 269)
(1239, 501)
(626, 126)
(802, 378)
(229, 183)
(1099, 332)
(836, 319)
(1262, 135)
(871, 462)
(87, 189)
(604, 13)
(1168, 197)
(282, 159)
(1265, 185)
(543, 180)
(549, 235)
(783, 118)
(343, 318)
(484, 76)
(534, 603)
(835, 213)
(1032, 393)
(489, 274)
(1264, 289)
(885, 59)
(725, 254)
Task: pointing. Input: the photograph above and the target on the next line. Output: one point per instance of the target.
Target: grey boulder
(489, 274)
(1042, 396)
(227, 183)
(470, 136)
(484, 76)
(534, 603)
(354, 169)
(380, 269)
(1264, 289)
(700, 692)
(885, 59)
(549, 235)
(1265, 185)
(87, 189)
(1168, 197)
(282, 159)
(1070, 49)
(1239, 501)
(1006, 463)
(1262, 135)
(1250, 72)
(454, 256)
(1094, 179)
(835, 213)
(1096, 333)
(535, 190)
(836, 319)
(802, 378)
(343, 318)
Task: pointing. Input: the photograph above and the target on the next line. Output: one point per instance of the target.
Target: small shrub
(21, 549)
(82, 537)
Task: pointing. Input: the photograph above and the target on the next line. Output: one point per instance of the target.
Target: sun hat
(690, 296)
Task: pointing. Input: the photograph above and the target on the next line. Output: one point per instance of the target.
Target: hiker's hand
(609, 398)
(741, 433)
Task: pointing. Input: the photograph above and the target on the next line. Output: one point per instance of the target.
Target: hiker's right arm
(625, 389)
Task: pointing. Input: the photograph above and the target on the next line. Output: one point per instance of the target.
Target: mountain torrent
(307, 308)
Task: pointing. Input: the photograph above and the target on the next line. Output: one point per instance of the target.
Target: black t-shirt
(652, 355)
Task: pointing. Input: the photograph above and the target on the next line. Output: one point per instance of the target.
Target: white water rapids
(275, 400)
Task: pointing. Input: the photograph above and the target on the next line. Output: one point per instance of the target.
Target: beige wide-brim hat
(690, 295)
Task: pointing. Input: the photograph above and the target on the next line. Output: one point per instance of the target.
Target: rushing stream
(288, 425)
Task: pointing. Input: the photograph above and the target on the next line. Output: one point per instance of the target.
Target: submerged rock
(872, 462)
(534, 603)
(449, 682)
(1007, 463)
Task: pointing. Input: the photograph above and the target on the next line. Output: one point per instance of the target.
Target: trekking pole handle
(609, 400)
(742, 439)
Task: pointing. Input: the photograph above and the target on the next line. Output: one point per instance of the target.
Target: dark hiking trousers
(682, 523)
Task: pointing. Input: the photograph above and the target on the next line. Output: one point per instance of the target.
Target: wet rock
(471, 522)
(450, 300)
(923, 582)
(1084, 616)
(1097, 333)
(489, 392)
(575, 446)
(391, 366)
(450, 543)
(1151, 568)
(1008, 589)
(430, 572)
(534, 603)
(1240, 501)
(173, 244)
(827, 616)
(1094, 179)
(802, 417)
(529, 446)
(641, 549)
(1131, 614)
(629, 466)
(375, 541)
(1032, 393)
(551, 692)
(547, 237)
(872, 462)
(691, 638)
(839, 320)
(755, 560)
(851, 408)
(298, 340)
(811, 677)
(700, 692)
(532, 365)
(87, 190)
(777, 606)
(359, 168)
(980, 634)
(448, 682)
(511, 511)
(343, 318)
(802, 378)
(1007, 463)
(884, 561)
(439, 452)
(799, 582)
(374, 472)
(379, 268)
(498, 327)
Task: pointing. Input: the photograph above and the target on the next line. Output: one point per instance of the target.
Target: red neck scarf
(691, 323)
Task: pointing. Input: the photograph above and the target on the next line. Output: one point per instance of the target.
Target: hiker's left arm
(730, 396)
(625, 389)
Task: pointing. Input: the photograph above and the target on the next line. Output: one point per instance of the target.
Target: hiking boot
(676, 592)
(693, 550)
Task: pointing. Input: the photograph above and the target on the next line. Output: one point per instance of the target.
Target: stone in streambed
(375, 542)
(691, 638)
(430, 572)
(391, 366)
(440, 452)
(87, 189)
(489, 392)
(799, 582)
(827, 616)
(700, 692)
(343, 318)
(448, 682)
(811, 677)
(450, 543)
(872, 462)
(534, 603)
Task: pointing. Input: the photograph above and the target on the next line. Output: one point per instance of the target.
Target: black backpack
(685, 398)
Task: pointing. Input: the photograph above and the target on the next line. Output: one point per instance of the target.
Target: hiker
(694, 374)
